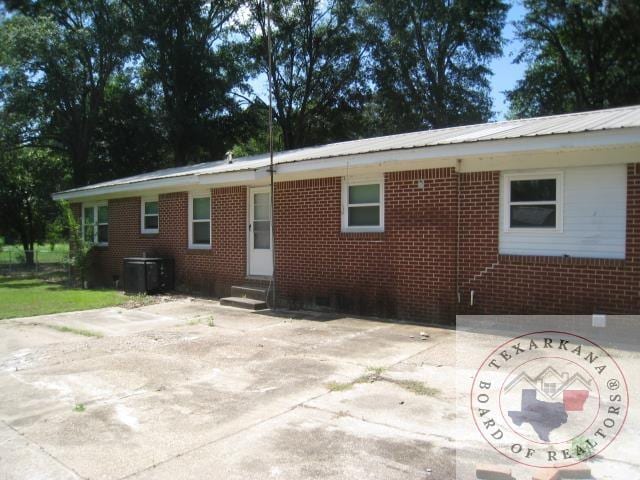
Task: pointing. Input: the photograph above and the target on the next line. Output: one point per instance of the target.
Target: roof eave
(540, 143)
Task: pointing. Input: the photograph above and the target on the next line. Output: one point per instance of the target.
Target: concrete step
(249, 291)
(242, 302)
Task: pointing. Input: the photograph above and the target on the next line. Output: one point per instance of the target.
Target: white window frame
(559, 202)
(95, 206)
(346, 183)
(192, 196)
(143, 201)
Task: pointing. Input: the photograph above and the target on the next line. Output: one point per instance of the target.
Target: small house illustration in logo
(550, 384)
(547, 398)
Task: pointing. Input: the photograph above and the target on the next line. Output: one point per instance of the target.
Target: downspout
(458, 178)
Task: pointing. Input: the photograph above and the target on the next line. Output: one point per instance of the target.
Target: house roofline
(432, 156)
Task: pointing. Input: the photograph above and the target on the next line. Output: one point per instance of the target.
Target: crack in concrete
(223, 437)
(44, 450)
(381, 424)
(301, 404)
(302, 349)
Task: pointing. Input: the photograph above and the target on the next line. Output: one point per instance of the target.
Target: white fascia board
(142, 187)
(241, 177)
(547, 143)
(172, 184)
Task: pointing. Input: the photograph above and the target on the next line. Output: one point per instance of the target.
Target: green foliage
(56, 232)
(27, 178)
(319, 87)
(80, 252)
(430, 61)
(581, 55)
(56, 61)
(130, 136)
(91, 91)
(192, 69)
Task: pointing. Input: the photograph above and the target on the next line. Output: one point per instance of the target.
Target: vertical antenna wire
(271, 170)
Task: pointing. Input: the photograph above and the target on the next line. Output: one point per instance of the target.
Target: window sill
(148, 233)
(561, 260)
(532, 230)
(362, 230)
(199, 248)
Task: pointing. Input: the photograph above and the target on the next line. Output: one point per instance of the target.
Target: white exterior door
(259, 232)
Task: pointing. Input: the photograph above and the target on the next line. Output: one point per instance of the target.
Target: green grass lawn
(23, 297)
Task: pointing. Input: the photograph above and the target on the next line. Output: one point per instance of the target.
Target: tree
(27, 178)
(429, 60)
(194, 71)
(56, 60)
(316, 67)
(581, 55)
(129, 136)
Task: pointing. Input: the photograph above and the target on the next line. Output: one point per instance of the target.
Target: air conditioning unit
(148, 275)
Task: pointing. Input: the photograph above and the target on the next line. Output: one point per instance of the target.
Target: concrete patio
(191, 389)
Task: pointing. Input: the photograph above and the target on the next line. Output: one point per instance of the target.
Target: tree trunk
(29, 257)
(28, 240)
(79, 162)
(179, 154)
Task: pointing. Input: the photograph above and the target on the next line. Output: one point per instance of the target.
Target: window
(549, 388)
(262, 220)
(95, 224)
(150, 216)
(533, 202)
(363, 206)
(200, 221)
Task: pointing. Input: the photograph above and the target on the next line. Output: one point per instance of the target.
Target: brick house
(527, 216)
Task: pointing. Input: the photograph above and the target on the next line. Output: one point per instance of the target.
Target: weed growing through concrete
(77, 331)
(416, 387)
(338, 386)
(374, 374)
(138, 300)
(79, 407)
(377, 371)
(199, 320)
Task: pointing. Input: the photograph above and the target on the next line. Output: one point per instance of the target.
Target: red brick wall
(510, 284)
(407, 271)
(413, 270)
(209, 272)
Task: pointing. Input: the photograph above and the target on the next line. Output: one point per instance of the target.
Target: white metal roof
(611, 119)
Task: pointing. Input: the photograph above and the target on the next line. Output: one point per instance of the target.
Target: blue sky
(506, 73)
